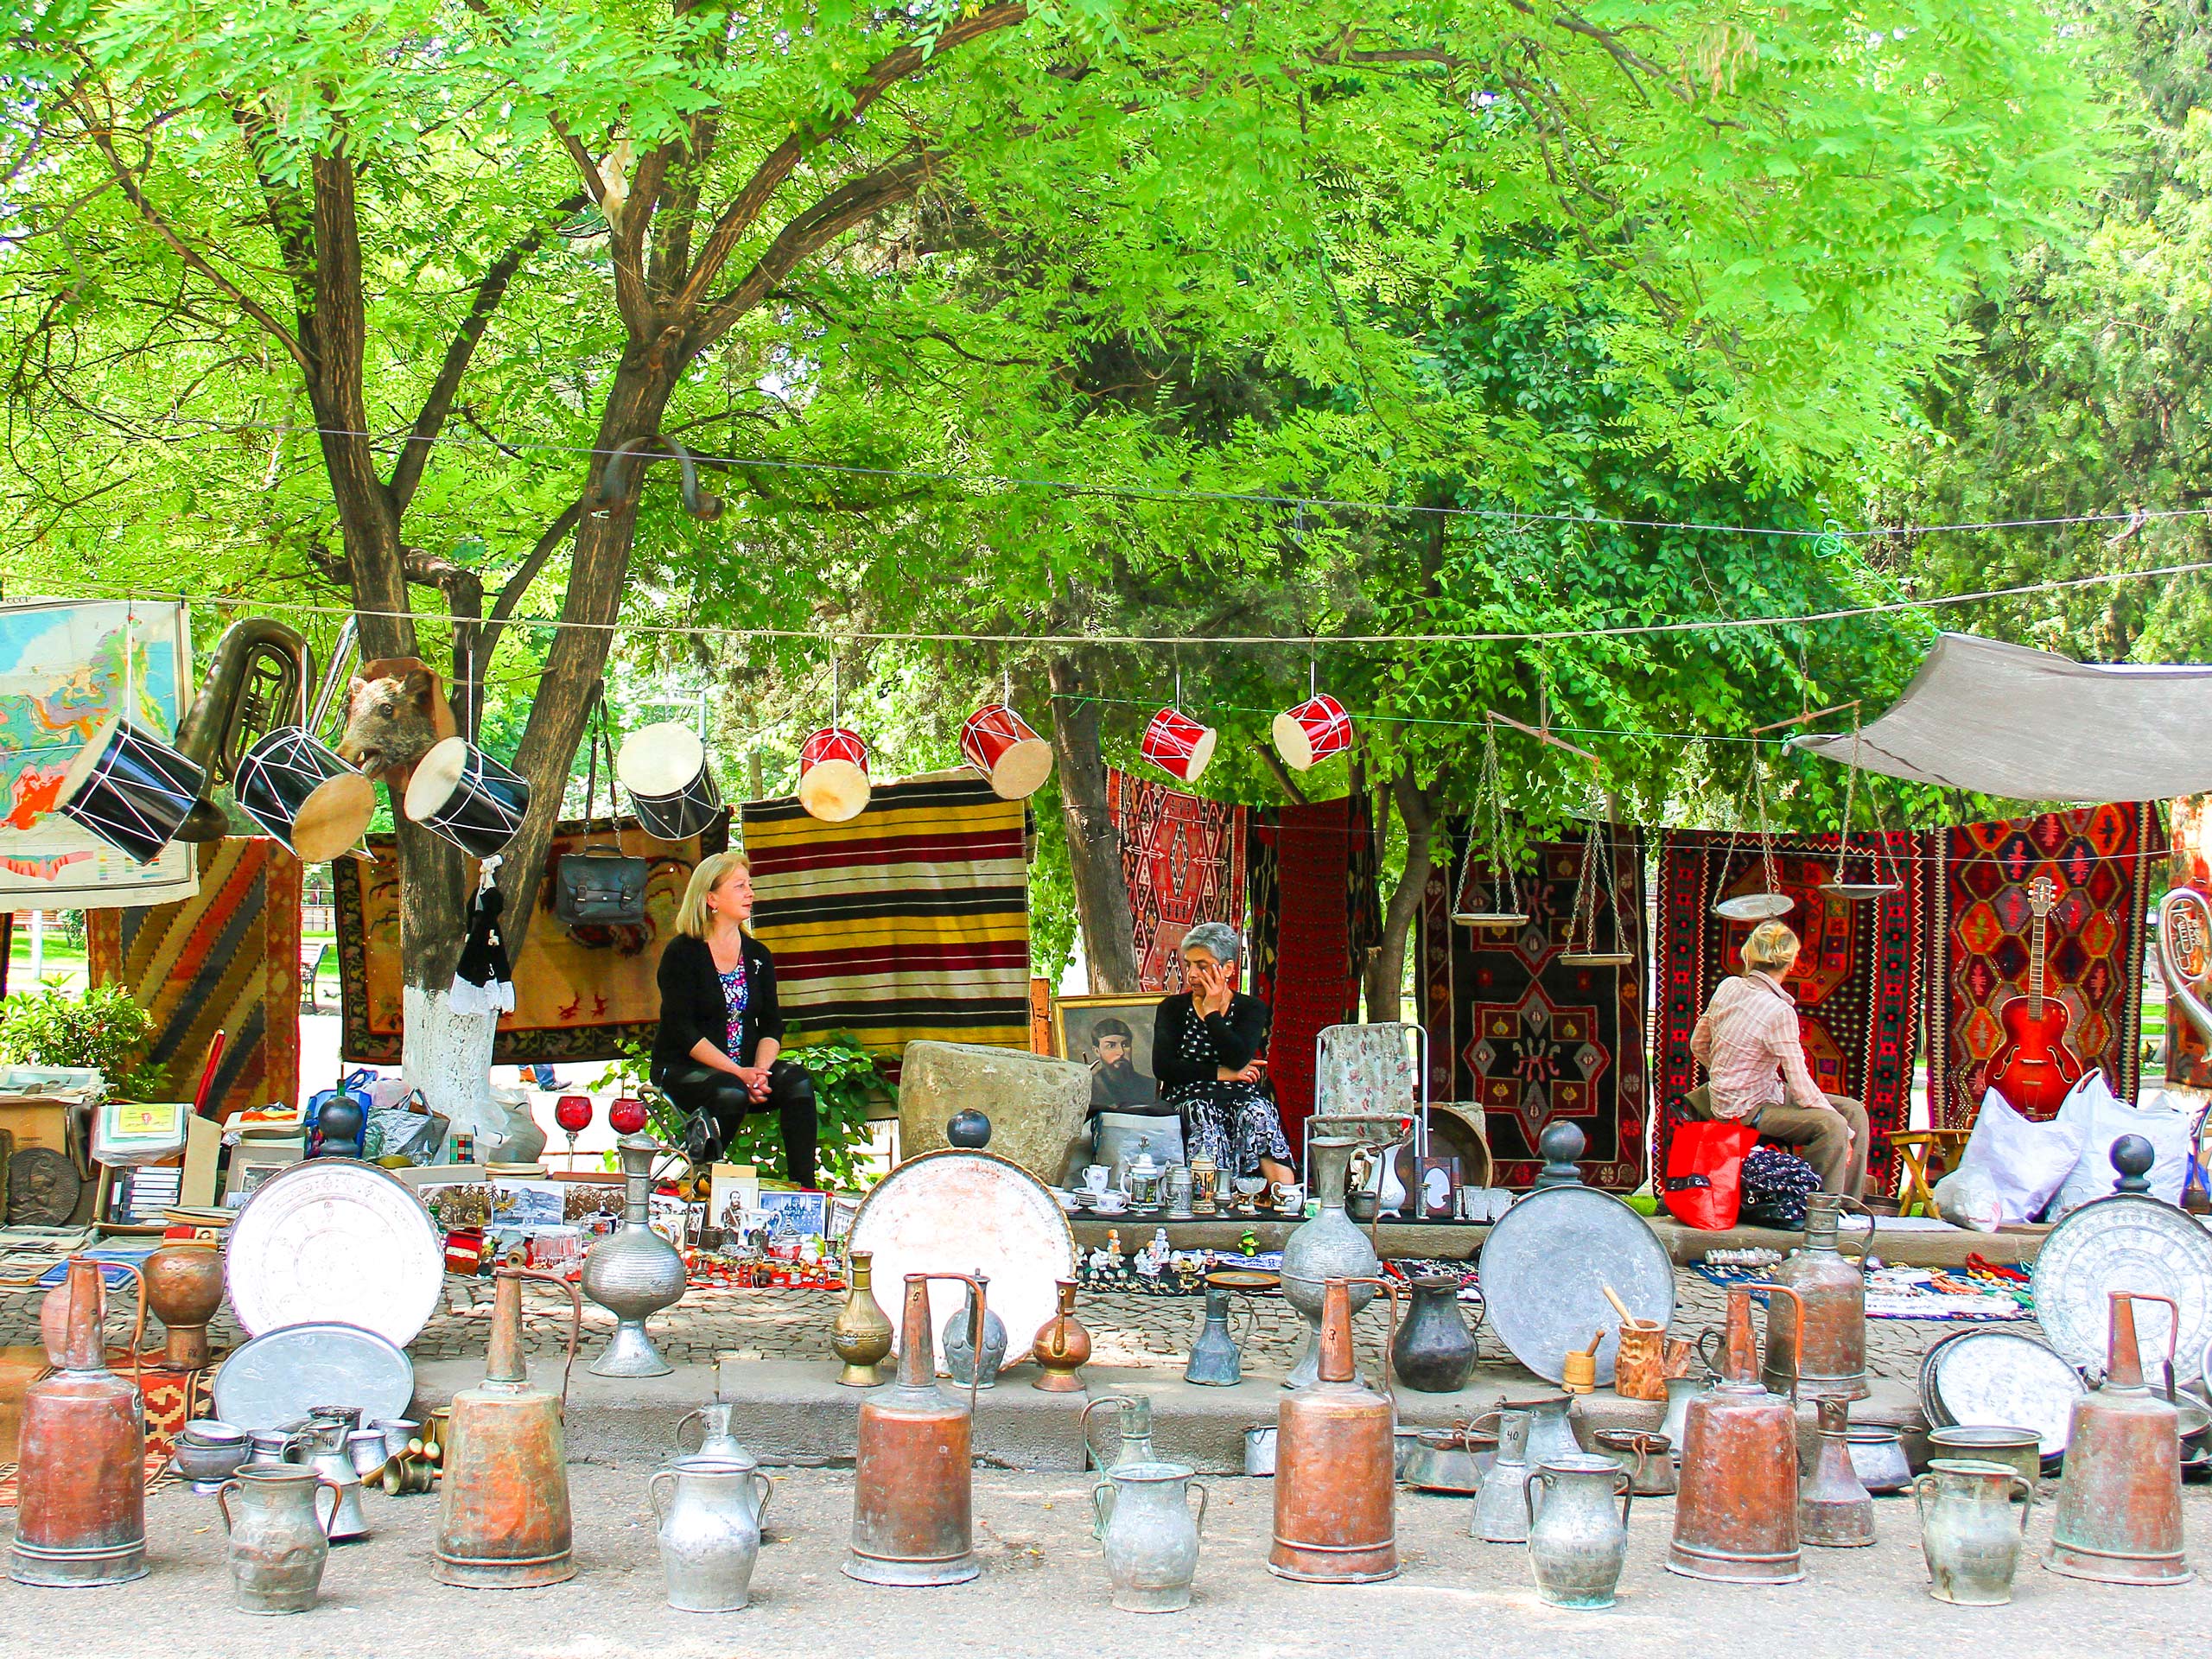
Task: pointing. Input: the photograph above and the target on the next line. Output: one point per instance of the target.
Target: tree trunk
(1102, 894)
(1384, 980)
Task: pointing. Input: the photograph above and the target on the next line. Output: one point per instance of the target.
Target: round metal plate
(281, 1378)
(1860, 889)
(1544, 1268)
(335, 1241)
(2126, 1241)
(958, 1210)
(1999, 1379)
(1755, 906)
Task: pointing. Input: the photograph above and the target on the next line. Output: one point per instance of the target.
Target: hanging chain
(1766, 835)
(1849, 789)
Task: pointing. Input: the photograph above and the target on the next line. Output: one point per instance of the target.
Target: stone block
(1036, 1104)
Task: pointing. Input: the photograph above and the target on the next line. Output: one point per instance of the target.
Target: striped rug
(910, 922)
(226, 959)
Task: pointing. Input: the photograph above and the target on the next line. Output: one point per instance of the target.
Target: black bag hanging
(600, 887)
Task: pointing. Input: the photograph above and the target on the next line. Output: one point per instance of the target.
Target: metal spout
(917, 1354)
(2123, 1357)
(1336, 1365)
(504, 1361)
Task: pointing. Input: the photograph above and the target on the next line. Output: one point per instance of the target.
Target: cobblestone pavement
(1126, 1330)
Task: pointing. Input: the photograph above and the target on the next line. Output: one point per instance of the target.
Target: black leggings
(717, 1102)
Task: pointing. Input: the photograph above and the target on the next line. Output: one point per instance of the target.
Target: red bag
(1703, 1184)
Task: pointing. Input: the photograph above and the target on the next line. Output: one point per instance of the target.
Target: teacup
(1109, 1203)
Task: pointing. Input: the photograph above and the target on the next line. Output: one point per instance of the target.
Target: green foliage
(102, 1028)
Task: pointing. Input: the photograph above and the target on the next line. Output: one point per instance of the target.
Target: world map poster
(62, 673)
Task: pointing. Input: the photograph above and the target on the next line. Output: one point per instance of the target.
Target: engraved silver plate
(1545, 1267)
(958, 1211)
(2000, 1379)
(2126, 1241)
(282, 1377)
(335, 1241)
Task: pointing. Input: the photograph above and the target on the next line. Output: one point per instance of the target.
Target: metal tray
(2126, 1241)
(335, 1242)
(1545, 1264)
(2001, 1379)
(280, 1377)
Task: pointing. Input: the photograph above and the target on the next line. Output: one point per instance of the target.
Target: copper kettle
(81, 1516)
(503, 1513)
(1336, 1457)
(1829, 1360)
(913, 1475)
(2118, 1517)
(1736, 1510)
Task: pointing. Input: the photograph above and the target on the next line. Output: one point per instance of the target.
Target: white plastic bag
(1967, 1197)
(2027, 1162)
(2103, 1117)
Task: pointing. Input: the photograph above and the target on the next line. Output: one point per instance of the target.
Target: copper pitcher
(1735, 1511)
(2118, 1517)
(913, 1475)
(1835, 1510)
(1336, 1454)
(80, 1517)
(1829, 1358)
(503, 1515)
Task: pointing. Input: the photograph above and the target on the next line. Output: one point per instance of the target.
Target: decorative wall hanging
(2189, 1061)
(1183, 861)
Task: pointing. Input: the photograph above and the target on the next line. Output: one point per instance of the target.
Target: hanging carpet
(1981, 928)
(1857, 980)
(226, 959)
(1315, 916)
(2188, 1063)
(1531, 1039)
(909, 922)
(1183, 860)
(578, 996)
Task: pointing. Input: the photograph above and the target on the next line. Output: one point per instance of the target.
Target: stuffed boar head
(396, 710)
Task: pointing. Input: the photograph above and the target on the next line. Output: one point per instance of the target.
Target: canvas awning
(2030, 726)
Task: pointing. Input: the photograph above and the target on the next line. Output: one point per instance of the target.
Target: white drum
(462, 794)
(131, 790)
(670, 785)
(304, 794)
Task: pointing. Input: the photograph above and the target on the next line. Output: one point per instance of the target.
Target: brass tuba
(2185, 940)
(256, 683)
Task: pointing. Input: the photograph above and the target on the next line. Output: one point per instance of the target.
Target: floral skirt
(1234, 1124)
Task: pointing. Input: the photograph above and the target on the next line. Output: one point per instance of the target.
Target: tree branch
(516, 585)
(1281, 774)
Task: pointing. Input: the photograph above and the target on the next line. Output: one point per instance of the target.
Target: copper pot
(184, 1290)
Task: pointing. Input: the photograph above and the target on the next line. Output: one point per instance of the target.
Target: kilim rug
(1856, 980)
(2191, 830)
(1313, 908)
(1532, 1038)
(1183, 859)
(2103, 859)
(578, 996)
(226, 959)
(908, 922)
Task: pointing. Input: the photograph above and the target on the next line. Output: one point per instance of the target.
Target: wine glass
(572, 1113)
(626, 1115)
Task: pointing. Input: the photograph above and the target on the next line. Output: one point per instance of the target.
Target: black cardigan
(1239, 1037)
(692, 1005)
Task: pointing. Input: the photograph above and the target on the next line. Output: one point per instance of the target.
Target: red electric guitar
(2034, 1068)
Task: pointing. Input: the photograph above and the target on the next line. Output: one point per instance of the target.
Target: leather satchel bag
(600, 887)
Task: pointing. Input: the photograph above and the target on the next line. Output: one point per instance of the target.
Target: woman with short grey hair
(1207, 1046)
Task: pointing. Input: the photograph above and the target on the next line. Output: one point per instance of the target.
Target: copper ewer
(81, 1516)
(913, 1475)
(1735, 1511)
(1828, 1358)
(504, 1521)
(1336, 1454)
(2118, 1516)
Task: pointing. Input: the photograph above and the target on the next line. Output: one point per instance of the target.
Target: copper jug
(1829, 1361)
(502, 1516)
(2119, 1517)
(1735, 1511)
(1336, 1453)
(914, 1475)
(80, 1517)
(1835, 1510)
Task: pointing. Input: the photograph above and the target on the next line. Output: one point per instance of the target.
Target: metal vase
(1551, 1426)
(1151, 1537)
(328, 1456)
(2119, 1510)
(1328, 1247)
(710, 1536)
(1680, 1390)
(913, 1481)
(1336, 1454)
(715, 1440)
(961, 1351)
(1133, 1418)
(1577, 1546)
(1501, 1513)
(1834, 1510)
(1736, 1509)
(278, 1544)
(1966, 1530)
(1433, 1351)
(1214, 1361)
(861, 1336)
(634, 1272)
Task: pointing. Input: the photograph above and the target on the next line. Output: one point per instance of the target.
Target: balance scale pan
(1755, 906)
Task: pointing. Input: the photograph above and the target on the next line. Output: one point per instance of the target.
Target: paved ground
(1043, 1591)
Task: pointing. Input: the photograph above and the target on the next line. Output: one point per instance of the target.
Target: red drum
(998, 743)
(1310, 734)
(1178, 744)
(131, 790)
(833, 775)
(462, 794)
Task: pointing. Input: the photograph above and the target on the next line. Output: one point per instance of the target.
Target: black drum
(671, 788)
(132, 790)
(461, 793)
(303, 794)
